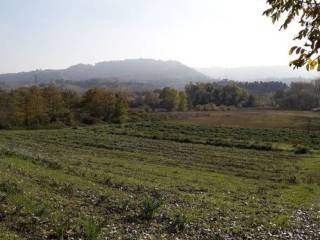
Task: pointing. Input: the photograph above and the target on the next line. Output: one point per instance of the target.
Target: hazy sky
(40, 34)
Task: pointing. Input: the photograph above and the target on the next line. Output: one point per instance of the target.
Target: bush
(51, 164)
(91, 230)
(149, 207)
(9, 187)
(217, 237)
(179, 223)
(293, 180)
(89, 120)
(301, 150)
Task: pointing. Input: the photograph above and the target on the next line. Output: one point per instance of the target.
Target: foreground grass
(159, 181)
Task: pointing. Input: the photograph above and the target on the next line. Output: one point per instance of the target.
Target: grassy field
(160, 180)
(249, 119)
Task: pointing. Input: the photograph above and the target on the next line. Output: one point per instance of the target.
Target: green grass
(157, 180)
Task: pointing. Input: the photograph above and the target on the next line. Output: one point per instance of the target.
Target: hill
(148, 71)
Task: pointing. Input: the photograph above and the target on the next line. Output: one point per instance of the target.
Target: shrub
(3, 197)
(51, 164)
(149, 207)
(301, 150)
(293, 180)
(9, 187)
(61, 226)
(217, 237)
(179, 223)
(89, 120)
(91, 231)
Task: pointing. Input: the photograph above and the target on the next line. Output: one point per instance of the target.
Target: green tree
(307, 13)
(6, 110)
(316, 84)
(99, 103)
(183, 102)
(233, 95)
(18, 101)
(71, 99)
(300, 96)
(251, 102)
(54, 103)
(35, 108)
(152, 99)
(121, 109)
(169, 98)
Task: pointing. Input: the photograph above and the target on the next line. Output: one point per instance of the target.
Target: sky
(55, 34)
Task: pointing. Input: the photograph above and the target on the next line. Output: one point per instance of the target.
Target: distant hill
(148, 71)
(267, 73)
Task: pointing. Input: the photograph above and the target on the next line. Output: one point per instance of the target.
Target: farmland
(167, 179)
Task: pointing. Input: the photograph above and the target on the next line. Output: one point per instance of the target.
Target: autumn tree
(18, 101)
(54, 103)
(71, 99)
(169, 98)
(6, 110)
(183, 102)
(120, 109)
(307, 14)
(35, 108)
(105, 105)
(152, 99)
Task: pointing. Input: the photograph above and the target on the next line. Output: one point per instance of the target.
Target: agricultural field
(168, 179)
(302, 120)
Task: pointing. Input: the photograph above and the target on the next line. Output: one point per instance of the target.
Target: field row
(105, 181)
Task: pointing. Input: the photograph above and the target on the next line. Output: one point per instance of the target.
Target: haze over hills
(263, 73)
(142, 74)
(148, 71)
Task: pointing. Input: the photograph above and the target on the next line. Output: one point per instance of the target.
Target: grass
(159, 180)
(270, 119)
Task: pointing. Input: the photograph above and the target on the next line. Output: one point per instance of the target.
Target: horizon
(164, 60)
(59, 34)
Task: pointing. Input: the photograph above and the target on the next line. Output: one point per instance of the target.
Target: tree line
(47, 105)
(196, 96)
(213, 96)
(299, 96)
(39, 106)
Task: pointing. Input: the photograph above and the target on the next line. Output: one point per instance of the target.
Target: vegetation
(307, 14)
(42, 106)
(263, 88)
(300, 96)
(243, 118)
(159, 180)
(50, 106)
(229, 95)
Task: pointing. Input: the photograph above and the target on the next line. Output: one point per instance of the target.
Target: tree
(300, 96)
(71, 99)
(307, 12)
(6, 110)
(35, 108)
(54, 103)
(316, 84)
(121, 109)
(97, 103)
(169, 98)
(183, 103)
(233, 95)
(152, 99)
(252, 101)
(211, 94)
